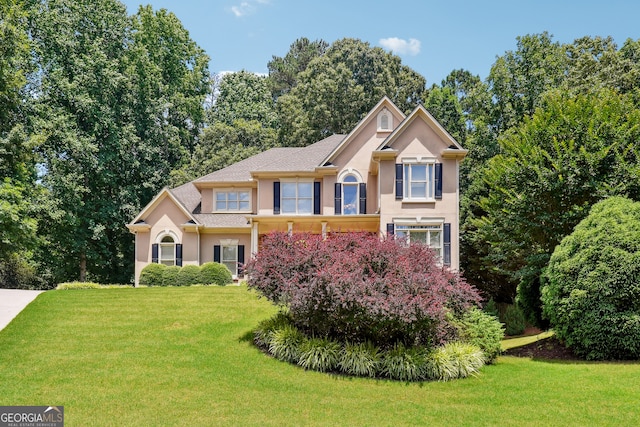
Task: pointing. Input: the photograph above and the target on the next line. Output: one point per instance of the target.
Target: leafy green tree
(222, 145)
(445, 106)
(572, 153)
(119, 103)
(518, 78)
(336, 90)
(284, 71)
(244, 96)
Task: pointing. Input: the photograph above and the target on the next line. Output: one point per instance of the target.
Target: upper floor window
(385, 120)
(419, 180)
(232, 201)
(297, 197)
(350, 194)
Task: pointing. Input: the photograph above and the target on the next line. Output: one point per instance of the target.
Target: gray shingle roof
(281, 159)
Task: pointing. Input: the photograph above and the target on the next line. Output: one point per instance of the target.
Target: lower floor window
(430, 235)
(167, 251)
(230, 258)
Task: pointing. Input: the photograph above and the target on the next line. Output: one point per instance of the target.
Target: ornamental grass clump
(361, 360)
(285, 343)
(404, 364)
(319, 354)
(453, 360)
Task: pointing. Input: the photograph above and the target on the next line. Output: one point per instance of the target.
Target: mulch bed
(544, 349)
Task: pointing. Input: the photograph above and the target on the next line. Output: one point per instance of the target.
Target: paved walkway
(12, 302)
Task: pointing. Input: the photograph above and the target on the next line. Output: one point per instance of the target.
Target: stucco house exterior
(392, 174)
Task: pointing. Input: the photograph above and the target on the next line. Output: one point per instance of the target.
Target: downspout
(198, 231)
(136, 279)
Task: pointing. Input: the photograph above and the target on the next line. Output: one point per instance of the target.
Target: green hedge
(210, 273)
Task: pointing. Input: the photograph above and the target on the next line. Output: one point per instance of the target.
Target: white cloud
(247, 7)
(401, 46)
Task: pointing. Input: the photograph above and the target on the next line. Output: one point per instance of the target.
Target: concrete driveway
(12, 302)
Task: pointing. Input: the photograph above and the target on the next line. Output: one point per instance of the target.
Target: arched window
(385, 120)
(167, 250)
(350, 195)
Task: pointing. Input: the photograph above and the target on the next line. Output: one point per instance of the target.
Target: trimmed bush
(482, 330)
(362, 360)
(592, 295)
(404, 364)
(285, 343)
(319, 354)
(454, 360)
(151, 274)
(77, 285)
(355, 287)
(514, 320)
(170, 275)
(188, 275)
(214, 273)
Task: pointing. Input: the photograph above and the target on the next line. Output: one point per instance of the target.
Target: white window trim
(232, 190)
(346, 173)
(229, 243)
(296, 181)
(420, 222)
(161, 244)
(431, 187)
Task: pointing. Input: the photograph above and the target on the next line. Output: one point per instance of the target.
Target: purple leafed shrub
(355, 287)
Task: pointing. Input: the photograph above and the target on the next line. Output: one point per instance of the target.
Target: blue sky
(433, 37)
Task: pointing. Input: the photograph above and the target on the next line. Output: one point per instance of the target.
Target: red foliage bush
(355, 287)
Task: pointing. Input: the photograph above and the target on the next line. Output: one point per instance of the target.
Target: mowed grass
(182, 357)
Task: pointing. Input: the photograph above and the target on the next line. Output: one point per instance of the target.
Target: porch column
(254, 238)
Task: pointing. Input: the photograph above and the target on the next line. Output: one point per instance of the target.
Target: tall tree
(284, 71)
(518, 78)
(338, 88)
(244, 96)
(552, 169)
(109, 135)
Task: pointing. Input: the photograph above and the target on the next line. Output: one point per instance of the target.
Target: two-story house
(392, 174)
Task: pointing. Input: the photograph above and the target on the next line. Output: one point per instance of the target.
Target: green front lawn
(181, 356)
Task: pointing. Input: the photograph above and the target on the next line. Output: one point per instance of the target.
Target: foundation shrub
(170, 275)
(214, 273)
(188, 275)
(151, 275)
(356, 287)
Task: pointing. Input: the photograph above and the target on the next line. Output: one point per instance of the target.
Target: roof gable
(421, 113)
(187, 195)
(385, 102)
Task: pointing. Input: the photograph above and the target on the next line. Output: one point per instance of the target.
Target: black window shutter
(391, 229)
(240, 259)
(337, 199)
(179, 254)
(438, 180)
(154, 253)
(399, 181)
(276, 197)
(316, 198)
(446, 255)
(216, 253)
(363, 198)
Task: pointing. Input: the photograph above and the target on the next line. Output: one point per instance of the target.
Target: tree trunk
(83, 267)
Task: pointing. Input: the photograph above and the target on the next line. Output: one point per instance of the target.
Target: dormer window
(385, 121)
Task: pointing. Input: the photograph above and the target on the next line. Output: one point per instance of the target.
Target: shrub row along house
(392, 174)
